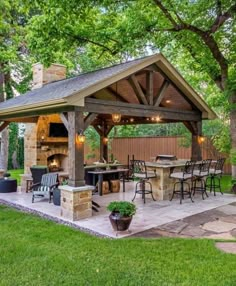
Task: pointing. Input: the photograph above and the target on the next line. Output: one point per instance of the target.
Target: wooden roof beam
(138, 110)
(149, 86)
(4, 125)
(89, 119)
(138, 90)
(161, 93)
(64, 119)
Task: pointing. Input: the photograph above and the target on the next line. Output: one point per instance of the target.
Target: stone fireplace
(57, 163)
(51, 151)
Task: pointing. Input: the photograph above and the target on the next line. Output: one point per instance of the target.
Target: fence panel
(147, 148)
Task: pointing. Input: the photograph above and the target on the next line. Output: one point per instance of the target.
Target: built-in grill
(166, 158)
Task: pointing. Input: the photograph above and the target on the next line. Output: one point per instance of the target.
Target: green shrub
(123, 207)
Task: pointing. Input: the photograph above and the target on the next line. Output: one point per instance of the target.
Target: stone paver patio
(214, 217)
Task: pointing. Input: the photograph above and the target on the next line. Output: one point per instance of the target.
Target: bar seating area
(200, 176)
(140, 172)
(213, 181)
(183, 177)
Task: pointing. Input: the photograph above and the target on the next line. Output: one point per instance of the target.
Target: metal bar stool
(140, 172)
(183, 176)
(213, 181)
(199, 183)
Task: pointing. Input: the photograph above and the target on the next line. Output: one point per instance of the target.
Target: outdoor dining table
(162, 185)
(101, 173)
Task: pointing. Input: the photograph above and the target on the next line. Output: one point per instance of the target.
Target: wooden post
(76, 149)
(105, 130)
(196, 144)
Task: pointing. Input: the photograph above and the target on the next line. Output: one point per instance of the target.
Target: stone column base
(76, 202)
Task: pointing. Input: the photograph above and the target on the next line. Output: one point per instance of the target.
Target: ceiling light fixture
(116, 117)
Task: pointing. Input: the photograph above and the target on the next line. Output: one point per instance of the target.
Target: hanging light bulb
(116, 117)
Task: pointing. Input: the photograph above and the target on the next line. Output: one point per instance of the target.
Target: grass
(39, 252)
(226, 184)
(16, 175)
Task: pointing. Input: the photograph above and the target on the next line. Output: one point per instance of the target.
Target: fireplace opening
(57, 163)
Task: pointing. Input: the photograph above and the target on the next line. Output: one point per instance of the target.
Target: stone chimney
(42, 76)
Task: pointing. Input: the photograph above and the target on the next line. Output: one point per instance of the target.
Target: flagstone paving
(217, 223)
(214, 217)
(228, 247)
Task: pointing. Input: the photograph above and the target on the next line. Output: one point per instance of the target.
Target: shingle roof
(64, 88)
(72, 91)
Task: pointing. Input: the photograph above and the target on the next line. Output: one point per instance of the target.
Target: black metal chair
(140, 172)
(37, 173)
(45, 188)
(200, 175)
(213, 181)
(182, 176)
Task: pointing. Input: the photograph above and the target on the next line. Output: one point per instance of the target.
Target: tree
(14, 65)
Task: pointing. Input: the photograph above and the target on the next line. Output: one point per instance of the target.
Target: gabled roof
(73, 91)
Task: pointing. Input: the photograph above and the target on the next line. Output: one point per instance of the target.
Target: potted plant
(121, 214)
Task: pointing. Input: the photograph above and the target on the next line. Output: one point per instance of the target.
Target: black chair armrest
(53, 186)
(35, 185)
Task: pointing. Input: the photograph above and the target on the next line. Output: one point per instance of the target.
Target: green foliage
(233, 156)
(123, 207)
(16, 174)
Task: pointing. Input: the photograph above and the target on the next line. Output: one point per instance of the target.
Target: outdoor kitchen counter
(162, 185)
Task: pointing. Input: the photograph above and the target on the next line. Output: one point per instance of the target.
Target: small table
(100, 174)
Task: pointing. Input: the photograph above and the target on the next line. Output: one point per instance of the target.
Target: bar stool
(140, 172)
(199, 183)
(213, 181)
(183, 176)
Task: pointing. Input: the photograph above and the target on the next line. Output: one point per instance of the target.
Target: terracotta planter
(118, 222)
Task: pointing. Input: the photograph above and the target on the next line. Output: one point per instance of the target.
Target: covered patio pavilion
(142, 91)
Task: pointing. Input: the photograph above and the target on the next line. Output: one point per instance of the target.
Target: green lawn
(34, 251)
(16, 174)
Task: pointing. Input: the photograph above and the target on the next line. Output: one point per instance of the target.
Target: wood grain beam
(108, 128)
(4, 125)
(175, 86)
(98, 129)
(64, 119)
(24, 120)
(161, 93)
(149, 84)
(138, 110)
(192, 127)
(137, 89)
(89, 119)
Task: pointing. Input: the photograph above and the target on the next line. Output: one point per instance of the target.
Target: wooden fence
(148, 147)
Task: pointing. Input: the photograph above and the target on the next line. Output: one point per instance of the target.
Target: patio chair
(140, 172)
(37, 172)
(200, 174)
(213, 181)
(183, 176)
(45, 188)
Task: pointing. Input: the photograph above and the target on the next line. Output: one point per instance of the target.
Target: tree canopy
(197, 36)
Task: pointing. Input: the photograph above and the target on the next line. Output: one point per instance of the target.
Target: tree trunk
(4, 133)
(4, 150)
(233, 128)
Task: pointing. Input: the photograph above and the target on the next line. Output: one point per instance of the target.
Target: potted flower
(121, 214)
